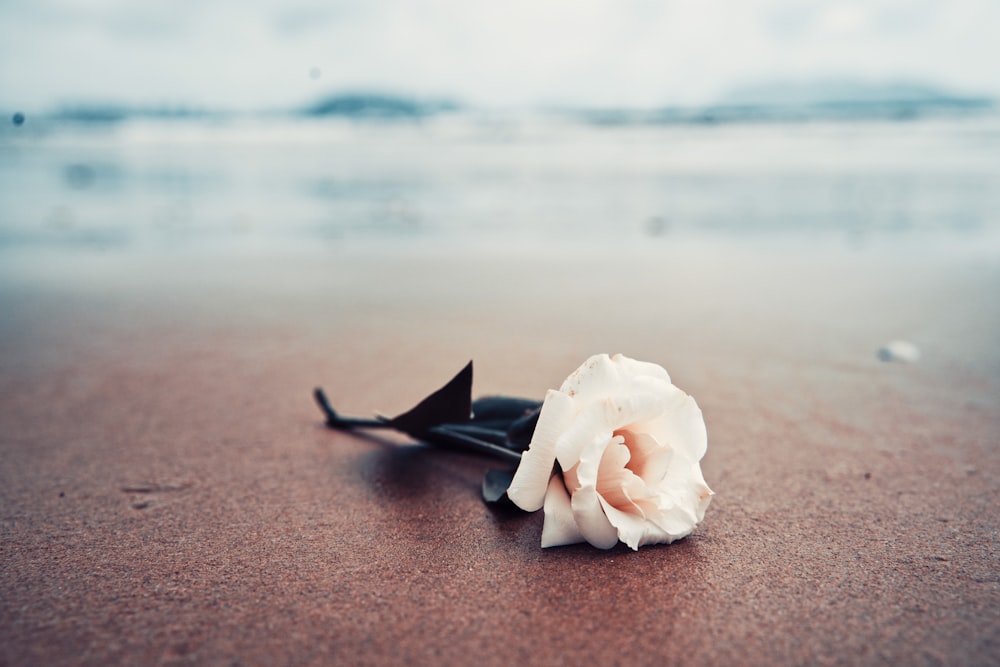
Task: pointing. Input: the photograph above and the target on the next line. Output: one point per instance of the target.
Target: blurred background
(227, 125)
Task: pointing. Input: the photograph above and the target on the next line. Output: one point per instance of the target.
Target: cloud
(602, 52)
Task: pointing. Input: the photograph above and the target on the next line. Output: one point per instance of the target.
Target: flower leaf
(519, 433)
(451, 404)
(514, 417)
(500, 412)
(495, 485)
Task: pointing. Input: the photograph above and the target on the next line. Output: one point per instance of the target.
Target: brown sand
(169, 495)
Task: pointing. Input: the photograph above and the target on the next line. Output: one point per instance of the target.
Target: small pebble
(899, 350)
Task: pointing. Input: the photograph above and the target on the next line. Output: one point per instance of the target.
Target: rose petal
(635, 367)
(587, 468)
(681, 427)
(674, 522)
(634, 530)
(597, 422)
(639, 402)
(684, 488)
(589, 426)
(648, 459)
(601, 376)
(591, 520)
(559, 527)
(616, 484)
(677, 519)
(528, 488)
(587, 510)
(701, 493)
(587, 383)
(684, 479)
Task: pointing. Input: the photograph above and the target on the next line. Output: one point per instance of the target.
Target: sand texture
(168, 494)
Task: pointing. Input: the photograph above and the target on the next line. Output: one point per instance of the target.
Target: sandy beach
(170, 495)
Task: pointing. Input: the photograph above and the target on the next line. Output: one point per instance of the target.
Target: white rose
(628, 443)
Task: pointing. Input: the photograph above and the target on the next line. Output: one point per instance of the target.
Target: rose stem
(490, 435)
(442, 434)
(333, 420)
(447, 435)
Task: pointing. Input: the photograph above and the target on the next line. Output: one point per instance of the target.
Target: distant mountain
(836, 92)
(377, 105)
(362, 105)
(834, 100)
(111, 113)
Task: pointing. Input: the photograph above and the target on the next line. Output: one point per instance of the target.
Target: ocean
(491, 180)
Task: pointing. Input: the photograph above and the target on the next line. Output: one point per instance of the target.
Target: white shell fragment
(902, 351)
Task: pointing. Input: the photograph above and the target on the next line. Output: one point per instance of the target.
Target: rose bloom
(628, 444)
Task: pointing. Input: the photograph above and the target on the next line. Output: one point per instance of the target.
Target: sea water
(490, 179)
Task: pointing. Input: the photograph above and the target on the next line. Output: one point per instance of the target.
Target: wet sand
(170, 496)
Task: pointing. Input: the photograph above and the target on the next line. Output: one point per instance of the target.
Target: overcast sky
(246, 54)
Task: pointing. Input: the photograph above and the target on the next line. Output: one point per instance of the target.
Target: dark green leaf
(501, 411)
(495, 485)
(451, 404)
(490, 435)
(519, 433)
